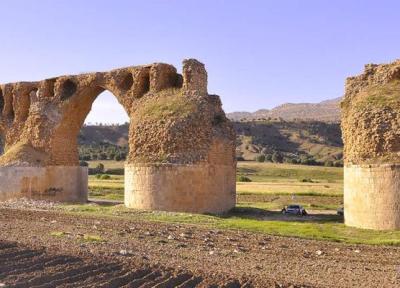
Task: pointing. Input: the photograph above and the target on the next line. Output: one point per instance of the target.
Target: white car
(294, 209)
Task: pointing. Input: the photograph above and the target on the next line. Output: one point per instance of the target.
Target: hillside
(113, 134)
(327, 111)
(303, 142)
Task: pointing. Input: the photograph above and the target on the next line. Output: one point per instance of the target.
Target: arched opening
(68, 89)
(103, 146)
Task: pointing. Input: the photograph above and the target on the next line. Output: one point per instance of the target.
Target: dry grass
(386, 95)
(108, 164)
(289, 188)
(171, 104)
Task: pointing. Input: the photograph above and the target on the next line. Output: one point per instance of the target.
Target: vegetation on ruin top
(383, 95)
(170, 104)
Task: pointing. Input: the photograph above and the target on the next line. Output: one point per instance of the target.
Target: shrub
(277, 157)
(100, 168)
(268, 157)
(243, 178)
(85, 157)
(102, 156)
(115, 171)
(309, 161)
(83, 164)
(260, 158)
(307, 180)
(338, 163)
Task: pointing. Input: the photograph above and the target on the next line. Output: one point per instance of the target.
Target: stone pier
(371, 136)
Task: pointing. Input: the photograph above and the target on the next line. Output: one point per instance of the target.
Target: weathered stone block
(57, 183)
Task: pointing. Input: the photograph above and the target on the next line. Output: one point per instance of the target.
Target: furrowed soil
(41, 248)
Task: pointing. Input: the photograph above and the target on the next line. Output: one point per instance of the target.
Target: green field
(330, 228)
(273, 185)
(318, 189)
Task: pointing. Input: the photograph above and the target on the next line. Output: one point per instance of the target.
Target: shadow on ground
(268, 215)
(253, 213)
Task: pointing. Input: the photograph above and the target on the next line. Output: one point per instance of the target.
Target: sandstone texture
(173, 121)
(371, 136)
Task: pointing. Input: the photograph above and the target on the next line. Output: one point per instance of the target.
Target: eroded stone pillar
(371, 134)
(182, 156)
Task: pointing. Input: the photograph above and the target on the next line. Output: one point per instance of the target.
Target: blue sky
(258, 54)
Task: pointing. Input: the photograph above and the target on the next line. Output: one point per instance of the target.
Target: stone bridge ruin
(181, 145)
(371, 136)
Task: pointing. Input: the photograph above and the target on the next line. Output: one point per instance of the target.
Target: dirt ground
(55, 249)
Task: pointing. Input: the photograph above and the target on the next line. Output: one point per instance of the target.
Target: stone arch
(64, 141)
(180, 158)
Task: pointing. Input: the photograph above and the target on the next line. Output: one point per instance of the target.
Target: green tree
(260, 158)
(277, 157)
(100, 168)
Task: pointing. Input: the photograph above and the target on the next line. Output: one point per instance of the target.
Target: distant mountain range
(326, 111)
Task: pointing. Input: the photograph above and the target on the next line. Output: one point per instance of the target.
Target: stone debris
(25, 203)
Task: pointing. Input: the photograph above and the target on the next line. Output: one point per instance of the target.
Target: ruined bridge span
(182, 146)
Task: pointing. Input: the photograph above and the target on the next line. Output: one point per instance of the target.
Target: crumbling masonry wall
(181, 145)
(371, 135)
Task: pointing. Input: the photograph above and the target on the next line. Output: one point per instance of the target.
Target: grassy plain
(318, 188)
(273, 185)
